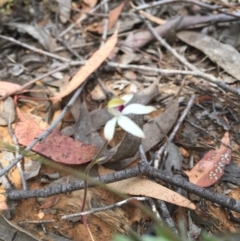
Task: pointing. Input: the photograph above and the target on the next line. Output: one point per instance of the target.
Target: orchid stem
(94, 161)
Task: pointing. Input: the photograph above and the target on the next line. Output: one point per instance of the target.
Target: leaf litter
(211, 167)
(206, 47)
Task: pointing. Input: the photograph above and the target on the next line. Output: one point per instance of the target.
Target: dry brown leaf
(92, 64)
(156, 130)
(224, 55)
(144, 187)
(37, 32)
(211, 167)
(113, 17)
(84, 131)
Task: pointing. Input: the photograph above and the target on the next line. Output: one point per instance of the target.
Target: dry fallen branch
(143, 169)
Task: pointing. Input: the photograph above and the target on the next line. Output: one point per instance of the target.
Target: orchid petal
(129, 126)
(138, 109)
(109, 128)
(127, 98)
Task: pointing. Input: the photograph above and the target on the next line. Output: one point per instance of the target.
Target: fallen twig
(220, 83)
(36, 50)
(172, 135)
(143, 169)
(95, 210)
(159, 3)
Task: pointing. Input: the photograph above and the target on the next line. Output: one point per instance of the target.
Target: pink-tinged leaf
(58, 147)
(211, 167)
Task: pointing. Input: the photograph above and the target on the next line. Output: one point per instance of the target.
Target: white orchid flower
(117, 107)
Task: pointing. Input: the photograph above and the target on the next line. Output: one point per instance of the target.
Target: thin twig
(166, 215)
(169, 48)
(95, 210)
(220, 83)
(40, 51)
(154, 208)
(189, 65)
(143, 159)
(209, 133)
(180, 121)
(88, 229)
(36, 222)
(69, 48)
(28, 84)
(163, 2)
(36, 50)
(108, 93)
(75, 46)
